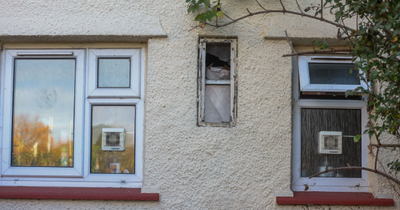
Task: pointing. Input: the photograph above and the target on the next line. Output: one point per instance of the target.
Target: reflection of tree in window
(31, 140)
(100, 161)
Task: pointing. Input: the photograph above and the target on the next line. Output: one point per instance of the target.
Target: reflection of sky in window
(114, 117)
(45, 88)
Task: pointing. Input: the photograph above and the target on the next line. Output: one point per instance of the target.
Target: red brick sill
(334, 198)
(78, 193)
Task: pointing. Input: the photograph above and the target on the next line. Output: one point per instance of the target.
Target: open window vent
(113, 139)
(330, 142)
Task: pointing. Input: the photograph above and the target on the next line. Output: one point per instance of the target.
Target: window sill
(77, 193)
(334, 198)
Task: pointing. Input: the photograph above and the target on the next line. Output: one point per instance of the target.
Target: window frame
(328, 184)
(79, 175)
(304, 75)
(8, 100)
(133, 91)
(202, 81)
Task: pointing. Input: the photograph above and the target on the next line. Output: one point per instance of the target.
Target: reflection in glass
(110, 120)
(114, 72)
(43, 112)
(333, 73)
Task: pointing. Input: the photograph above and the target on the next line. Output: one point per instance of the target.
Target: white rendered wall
(191, 167)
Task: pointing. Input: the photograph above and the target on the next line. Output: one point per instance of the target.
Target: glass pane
(217, 104)
(348, 121)
(114, 72)
(113, 139)
(43, 112)
(218, 61)
(333, 73)
(218, 73)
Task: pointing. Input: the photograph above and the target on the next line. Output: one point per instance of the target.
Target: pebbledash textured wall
(192, 167)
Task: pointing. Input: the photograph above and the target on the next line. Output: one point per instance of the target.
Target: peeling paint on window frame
(201, 81)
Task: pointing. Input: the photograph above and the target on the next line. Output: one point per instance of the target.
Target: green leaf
(220, 14)
(357, 138)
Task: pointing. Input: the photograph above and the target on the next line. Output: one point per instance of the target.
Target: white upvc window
(217, 82)
(328, 74)
(324, 108)
(100, 83)
(55, 104)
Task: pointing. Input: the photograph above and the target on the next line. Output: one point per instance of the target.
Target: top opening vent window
(328, 75)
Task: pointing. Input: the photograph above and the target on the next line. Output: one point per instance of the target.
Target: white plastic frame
(304, 75)
(79, 175)
(7, 75)
(123, 179)
(132, 92)
(327, 184)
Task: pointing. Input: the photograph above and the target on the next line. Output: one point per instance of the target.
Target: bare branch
(290, 44)
(227, 16)
(283, 7)
(261, 5)
(322, 10)
(298, 5)
(385, 145)
(376, 158)
(251, 14)
(394, 188)
(194, 27)
(345, 31)
(360, 168)
(282, 11)
(317, 52)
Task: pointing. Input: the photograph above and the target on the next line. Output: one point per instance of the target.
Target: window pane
(43, 112)
(218, 61)
(348, 121)
(218, 73)
(114, 72)
(333, 73)
(113, 139)
(217, 104)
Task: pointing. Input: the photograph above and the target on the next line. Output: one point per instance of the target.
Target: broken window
(217, 63)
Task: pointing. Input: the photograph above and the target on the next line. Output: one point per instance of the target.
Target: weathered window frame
(327, 184)
(202, 81)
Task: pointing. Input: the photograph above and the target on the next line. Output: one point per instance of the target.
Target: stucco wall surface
(191, 167)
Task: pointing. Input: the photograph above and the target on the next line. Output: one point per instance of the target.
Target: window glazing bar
(218, 82)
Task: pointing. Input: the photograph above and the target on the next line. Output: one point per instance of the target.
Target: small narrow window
(217, 78)
(114, 73)
(320, 74)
